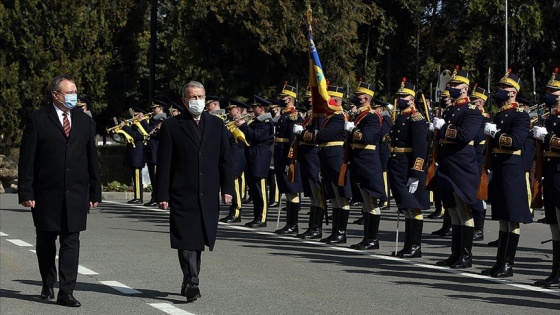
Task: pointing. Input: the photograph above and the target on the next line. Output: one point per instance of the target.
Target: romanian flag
(317, 81)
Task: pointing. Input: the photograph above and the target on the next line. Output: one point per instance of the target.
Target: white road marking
(33, 251)
(84, 271)
(120, 287)
(19, 242)
(410, 262)
(136, 206)
(3, 234)
(170, 309)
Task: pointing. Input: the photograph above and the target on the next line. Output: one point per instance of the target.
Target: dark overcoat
(507, 189)
(365, 163)
(411, 134)
(458, 170)
(61, 174)
(194, 163)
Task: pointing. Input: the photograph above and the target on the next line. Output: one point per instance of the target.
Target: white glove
(412, 184)
(539, 133)
(348, 126)
(438, 122)
(298, 129)
(490, 130)
(431, 126)
(490, 175)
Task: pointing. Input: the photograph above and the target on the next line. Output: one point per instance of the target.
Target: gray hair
(192, 84)
(55, 83)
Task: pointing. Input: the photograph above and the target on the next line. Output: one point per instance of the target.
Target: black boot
(455, 247)
(506, 269)
(291, 226)
(334, 224)
(231, 218)
(479, 217)
(310, 225)
(465, 251)
(500, 254)
(371, 227)
(406, 245)
(553, 281)
(415, 240)
(446, 227)
(340, 235)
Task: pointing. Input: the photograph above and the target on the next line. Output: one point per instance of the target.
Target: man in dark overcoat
(194, 163)
(59, 179)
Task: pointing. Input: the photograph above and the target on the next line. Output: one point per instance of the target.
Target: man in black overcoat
(59, 180)
(194, 163)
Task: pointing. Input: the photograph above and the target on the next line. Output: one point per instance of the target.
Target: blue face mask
(502, 96)
(454, 93)
(70, 100)
(550, 99)
(356, 101)
(402, 104)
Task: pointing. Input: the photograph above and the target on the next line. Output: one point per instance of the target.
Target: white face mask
(196, 107)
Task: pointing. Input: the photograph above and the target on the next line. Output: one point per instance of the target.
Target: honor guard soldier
(478, 97)
(284, 142)
(550, 137)
(135, 152)
(260, 134)
(409, 150)
(212, 105)
(383, 146)
(175, 109)
(365, 164)
(330, 137)
(458, 176)
(151, 148)
(237, 146)
(273, 195)
(85, 105)
(308, 156)
(507, 187)
(445, 230)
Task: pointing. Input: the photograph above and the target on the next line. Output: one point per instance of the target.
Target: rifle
(482, 193)
(293, 153)
(536, 191)
(344, 167)
(431, 171)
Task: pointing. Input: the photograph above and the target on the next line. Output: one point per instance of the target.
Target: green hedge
(112, 165)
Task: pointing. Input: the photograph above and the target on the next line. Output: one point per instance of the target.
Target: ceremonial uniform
(330, 138)
(260, 135)
(409, 136)
(151, 148)
(365, 164)
(237, 146)
(308, 156)
(458, 175)
(384, 151)
(507, 187)
(284, 160)
(135, 156)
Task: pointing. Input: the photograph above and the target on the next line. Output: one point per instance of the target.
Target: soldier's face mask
(402, 103)
(550, 99)
(454, 93)
(502, 96)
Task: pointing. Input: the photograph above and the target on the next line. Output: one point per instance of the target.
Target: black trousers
(152, 173)
(68, 256)
(190, 265)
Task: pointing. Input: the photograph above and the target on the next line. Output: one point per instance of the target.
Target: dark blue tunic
(237, 155)
(458, 169)
(365, 164)
(507, 189)
(551, 167)
(134, 153)
(383, 145)
(260, 135)
(284, 139)
(409, 132)
(308, 156)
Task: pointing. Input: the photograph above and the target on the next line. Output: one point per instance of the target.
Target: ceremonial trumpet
(238, 135)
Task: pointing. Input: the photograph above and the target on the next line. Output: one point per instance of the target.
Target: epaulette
(472, 106)
(267, 120)
(487, 115)
(520, 109)
(417, 116)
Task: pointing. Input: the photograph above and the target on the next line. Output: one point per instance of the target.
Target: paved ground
(127, 267)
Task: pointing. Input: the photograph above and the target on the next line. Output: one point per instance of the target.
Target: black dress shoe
(192, 292)
(288, 229)
(67, 300)
(255, 224)
(436, 215)
(478, 235)
(151, 204)
(247, 201)
(135, 201)
(273, 205)
(231, 219)
(493, 243)
(47, 293)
